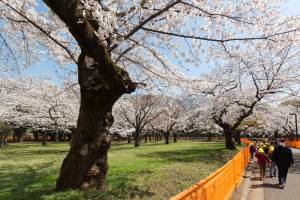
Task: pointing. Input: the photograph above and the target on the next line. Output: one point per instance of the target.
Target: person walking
(273, 167)
(283, 157)
(262, 160)
(252, 150)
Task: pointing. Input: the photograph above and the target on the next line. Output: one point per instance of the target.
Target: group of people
(275, 154)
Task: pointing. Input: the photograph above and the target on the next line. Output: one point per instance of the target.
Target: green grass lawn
(152, 171)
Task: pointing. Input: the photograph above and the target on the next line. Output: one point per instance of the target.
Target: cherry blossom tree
(108, 39)
(138, 111)
(170, 118)
(275, 120)
(38, 104)
(233, 92)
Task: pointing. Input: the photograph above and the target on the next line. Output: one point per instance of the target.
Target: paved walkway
(269, 189)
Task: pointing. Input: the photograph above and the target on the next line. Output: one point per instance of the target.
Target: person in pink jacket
(262, 160)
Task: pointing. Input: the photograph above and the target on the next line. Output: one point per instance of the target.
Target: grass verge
(153, 171)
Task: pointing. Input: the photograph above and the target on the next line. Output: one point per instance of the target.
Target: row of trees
(252, 45)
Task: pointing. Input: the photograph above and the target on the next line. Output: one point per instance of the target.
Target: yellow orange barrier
(294, 143)
(246, 141)
(221, 184)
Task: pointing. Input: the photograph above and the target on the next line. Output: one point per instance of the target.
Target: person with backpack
(262, 160)
(283, 157)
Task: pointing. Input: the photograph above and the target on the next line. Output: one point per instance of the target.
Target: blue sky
(50, 69)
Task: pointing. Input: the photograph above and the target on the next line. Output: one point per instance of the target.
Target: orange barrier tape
(294, 143)
(220, 184)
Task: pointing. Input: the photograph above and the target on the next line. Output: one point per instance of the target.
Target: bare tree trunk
(175, 137)
(36, 136)
(2, 144)
(56, 136)
(209, 137)
(137, 138)
(145, 138)
(229, 139)
(44, 139)
(167, 136)
(129, 139)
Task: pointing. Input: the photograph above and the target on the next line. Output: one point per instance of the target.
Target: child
(263, 160)
(273, 167)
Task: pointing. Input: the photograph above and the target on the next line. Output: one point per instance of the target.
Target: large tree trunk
(102, 83)
(86, 163)
(137, 138)
(229, 139)
(167, 137)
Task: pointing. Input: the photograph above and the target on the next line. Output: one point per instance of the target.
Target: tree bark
(229, 139)
(56, 136)
(209, 137)
(167, 136)
(2, 144)
(129, 139)
(44, 139)
(101, 83)
(86, 163)
(36, 136)
(175, 137)
(137, 138)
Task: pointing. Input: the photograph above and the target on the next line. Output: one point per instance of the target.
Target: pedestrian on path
(262, 160)
(253, 150)
(273, 167)
(283, 157)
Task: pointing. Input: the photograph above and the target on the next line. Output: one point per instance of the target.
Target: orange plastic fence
(294, 143)
(246, 141)
(220, 184)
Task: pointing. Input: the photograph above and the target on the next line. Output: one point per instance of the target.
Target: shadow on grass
(27, 184)
(191, 155)
(117, 147)
(37, 152)
(34, 184)
(122, 188)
